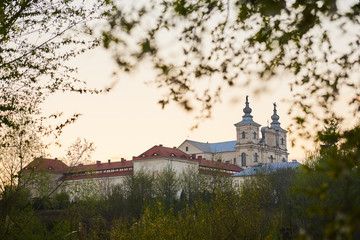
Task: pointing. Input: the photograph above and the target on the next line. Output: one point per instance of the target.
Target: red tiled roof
(102, 166)
(98, 175)
(46, 164)
(220, 165)
(160, 151)
(215, 173)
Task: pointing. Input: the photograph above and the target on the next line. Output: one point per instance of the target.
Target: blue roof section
(267, 168)
(205, 147)
(228, 146)
(219, 147)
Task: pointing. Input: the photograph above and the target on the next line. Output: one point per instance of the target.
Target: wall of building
(41, 183)
(156, 165)
(189, 148)
(91, 187)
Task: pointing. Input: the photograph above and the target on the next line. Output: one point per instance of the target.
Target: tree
(192, 184)
(138, 189)
(17, 204)
(316, 43)
(36, 41)
(167, 185)
(18, 146)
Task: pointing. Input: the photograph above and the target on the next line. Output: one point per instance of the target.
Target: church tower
(274, 139)
(280, 137)
(247, 138)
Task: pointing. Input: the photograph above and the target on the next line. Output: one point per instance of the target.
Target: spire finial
(275, 119)
(247, 117)
(247, 110)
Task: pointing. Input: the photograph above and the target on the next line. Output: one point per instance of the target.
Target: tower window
(254, 135)
(234, 160)
(282, 141)
(243, 134)
(255, 157)
(271, 158)
(243, 159)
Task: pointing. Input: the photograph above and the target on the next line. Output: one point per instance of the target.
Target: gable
(228, 146)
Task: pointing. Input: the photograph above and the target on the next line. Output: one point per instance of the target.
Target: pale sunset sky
(127, 121)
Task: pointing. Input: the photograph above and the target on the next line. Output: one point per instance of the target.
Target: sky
(127, 121)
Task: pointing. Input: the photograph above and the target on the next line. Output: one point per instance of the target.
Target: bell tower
(247, 138)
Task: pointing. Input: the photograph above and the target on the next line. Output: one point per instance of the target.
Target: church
(250, 148)
(224, 158)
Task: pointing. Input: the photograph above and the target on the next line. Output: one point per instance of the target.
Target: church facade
(254, 144)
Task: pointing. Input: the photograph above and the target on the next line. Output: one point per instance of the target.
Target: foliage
(314, 45)
(191, 184)
(296, 204)
(138, 189)
(18, 146)
(332, 182)
(315, 42)
(35, 44)
(167, 185)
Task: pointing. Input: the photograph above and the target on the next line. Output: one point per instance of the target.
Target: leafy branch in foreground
(200, 47)
(36, 42)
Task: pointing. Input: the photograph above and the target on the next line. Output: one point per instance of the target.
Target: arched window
(282, 141)
(254, 135)
(243, 134)
(283, 160)
(255, 157)
(243, 159)
(187, 149)
(271, 158)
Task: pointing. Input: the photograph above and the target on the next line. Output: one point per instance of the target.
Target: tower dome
(247, 117)
(275, 119)
(247, 110)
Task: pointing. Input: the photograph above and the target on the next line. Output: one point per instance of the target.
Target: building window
(186, 148)
(254, 135)
(243, 134)
(255, 157)
(282, 141)
(243, 159)
(271, 158)
(283, 160)
(234, 160)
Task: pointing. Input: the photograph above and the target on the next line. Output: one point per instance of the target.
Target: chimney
(98, 163)
(123, 160)
(199, 157)
(174, 147)
(109, 161)
(56, 159)
(160, 145)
